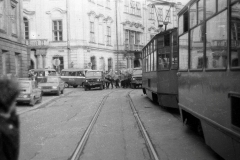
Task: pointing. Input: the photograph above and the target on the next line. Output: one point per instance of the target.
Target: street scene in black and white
(119, 79)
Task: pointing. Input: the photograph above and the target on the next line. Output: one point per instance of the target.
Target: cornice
(28, 12)
(131, 24)
(57, 9)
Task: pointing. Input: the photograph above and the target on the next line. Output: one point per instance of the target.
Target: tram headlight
(133, 79)
(86, 80)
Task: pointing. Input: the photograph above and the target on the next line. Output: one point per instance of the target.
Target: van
(73, 77)
(42, 73)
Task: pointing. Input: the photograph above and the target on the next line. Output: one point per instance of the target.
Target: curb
(44, 104)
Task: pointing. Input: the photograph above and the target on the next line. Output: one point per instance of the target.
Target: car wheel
(75, 86)
(40, 98)
(59, 92)
(66, 85)
(85, 88)
(32, 103)
(101, 87)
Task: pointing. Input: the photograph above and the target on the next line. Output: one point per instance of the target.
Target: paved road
(53, 131)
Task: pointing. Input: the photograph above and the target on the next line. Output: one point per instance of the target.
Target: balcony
(131, 47)
(37, 42)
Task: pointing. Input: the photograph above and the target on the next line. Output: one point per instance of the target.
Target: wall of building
(14, 55)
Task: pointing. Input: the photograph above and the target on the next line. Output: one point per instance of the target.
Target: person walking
(9, 122)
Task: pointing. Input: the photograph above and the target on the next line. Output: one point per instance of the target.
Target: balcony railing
(131, 47)
(37, 42)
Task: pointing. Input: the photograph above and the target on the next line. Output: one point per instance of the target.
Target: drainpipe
(116, 9)
(68, 34)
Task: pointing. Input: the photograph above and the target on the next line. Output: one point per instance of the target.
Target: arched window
(26, 27)
(93, 61)
(109, 64)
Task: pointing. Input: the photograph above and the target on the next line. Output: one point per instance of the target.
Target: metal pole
(116, 30)
(68, 34)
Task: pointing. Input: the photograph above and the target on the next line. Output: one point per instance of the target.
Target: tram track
(83, 141)
(77, 153)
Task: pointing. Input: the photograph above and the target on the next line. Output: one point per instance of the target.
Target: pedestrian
(9, 123)
(117, 83)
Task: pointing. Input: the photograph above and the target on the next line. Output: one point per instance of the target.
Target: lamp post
(68, 35)
(116, 30)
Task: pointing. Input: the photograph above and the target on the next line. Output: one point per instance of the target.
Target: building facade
(14, 55)
(96, 34)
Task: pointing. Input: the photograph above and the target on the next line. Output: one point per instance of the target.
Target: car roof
(42, 69)
(95, 71)
(73, 69)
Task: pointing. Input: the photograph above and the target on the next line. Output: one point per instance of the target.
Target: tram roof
(161, 33)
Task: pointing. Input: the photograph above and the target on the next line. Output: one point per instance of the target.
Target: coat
(9, 137)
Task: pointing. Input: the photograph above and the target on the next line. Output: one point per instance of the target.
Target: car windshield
(93, 74)
(24, 85)
(137, 71)
(50, 80)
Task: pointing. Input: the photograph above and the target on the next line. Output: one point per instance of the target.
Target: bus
(73, 77)
(209, 72)
(160, 64)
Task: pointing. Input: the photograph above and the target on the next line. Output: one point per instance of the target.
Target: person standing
(9, 122)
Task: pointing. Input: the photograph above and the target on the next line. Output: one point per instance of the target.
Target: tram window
(222, 4)
(193, 15)
(183, 23)
(155, 60)
(183, 52)
(160, 42)
(152, 61)
(200, 11)
(163, 61)
(196, 48)
(167, 40)
(233, 1)
(180, 25)
(235, 36)
(175, 58)
(210, 8)
(174, 37)
(216, 47)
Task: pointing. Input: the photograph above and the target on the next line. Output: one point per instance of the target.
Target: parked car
(136, 79)
(73, 77)
(29, 92)
(93, 79)
(53, 84)
(42, 73)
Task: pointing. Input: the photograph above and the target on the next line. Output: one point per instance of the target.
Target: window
(61, 65)
(210, 8)
(196, 48)
(57, 30)
(222, 4)
(108, 35)
(183, 52)
(138, 11)
(160, 14)
(108, 3)
(92, 33)
(200, 11)
(126, 37)
(133, 6)
(235, 36)
(151, 12)
(167, 40)
(160, 42)
(2, 16)
(17, 63)
(175, 51)
(126, 6)
(168, 15)
(109, 64)
(94, 64)
(137, 38)
(183, 23)
(14, 20)
(26, 27)
(193, 15)
(216, 39)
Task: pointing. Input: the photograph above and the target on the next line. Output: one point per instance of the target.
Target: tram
(209, 72)
(160, 64)
(206, 82)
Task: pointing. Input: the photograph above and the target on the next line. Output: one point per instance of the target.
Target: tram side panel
(149, 84)
(213, 99)
(167, 88)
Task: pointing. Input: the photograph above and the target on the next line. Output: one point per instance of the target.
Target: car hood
(137, 76)
(47, 84)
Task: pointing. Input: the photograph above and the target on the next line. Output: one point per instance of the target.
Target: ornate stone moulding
(57, 9)
(28, 12)
(133, 24)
